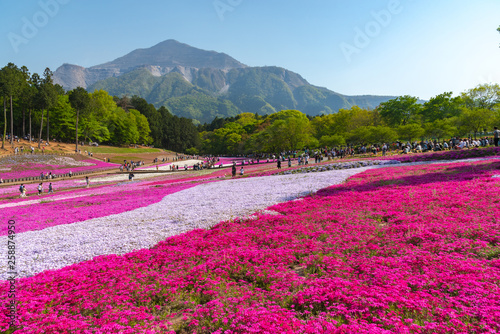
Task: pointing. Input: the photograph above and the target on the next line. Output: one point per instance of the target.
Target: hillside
(201, 84)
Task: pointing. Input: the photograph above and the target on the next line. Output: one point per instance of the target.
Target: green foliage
(289, 130)
(331, 141)
(63, 119)
(410, 131)
(441, 128)
(485, 96)
(440, 107)
(400, 111)
(475, 120)
(382, 134)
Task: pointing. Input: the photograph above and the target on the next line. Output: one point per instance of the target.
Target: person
(496, 135)
(241, 170)
(51, 190)
(70, 173)
(233, 169)
(40, 188)
(87, 181)
(279, 164)
(289, 162)
(130, 177)
(21, 190)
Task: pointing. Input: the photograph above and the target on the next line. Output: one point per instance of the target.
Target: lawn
(120, 150)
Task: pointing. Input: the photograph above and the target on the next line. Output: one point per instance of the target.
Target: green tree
(441, 128)
(441, 106)
(360, 135)
(63, 119)
(79, 100)
(331, 141)
(289, 130)
(226, 139)
(25, 95)
(324, 125)
(153, 117)
(382, 134)
(400, 111)
(142, 127)
(11, 81)
(32, 95)
(485, 96)
(410, 131)
(475, 119)
(46, 98)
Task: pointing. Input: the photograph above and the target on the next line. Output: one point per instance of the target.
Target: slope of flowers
(84, 204)
(446, 155)
(402, 250)
(202, 206)
(24, 166)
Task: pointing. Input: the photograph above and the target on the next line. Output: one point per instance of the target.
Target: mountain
(202, 84)
(165, 57)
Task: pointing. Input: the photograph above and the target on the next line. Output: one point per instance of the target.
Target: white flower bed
(199, 207)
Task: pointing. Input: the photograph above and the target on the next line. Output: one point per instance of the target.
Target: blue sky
(381, 47)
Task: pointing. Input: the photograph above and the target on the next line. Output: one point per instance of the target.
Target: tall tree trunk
(24, 122)
(30, 125)
(76, 132)
(41, 130)
(5, 121)
(11, 124)
(48, 115)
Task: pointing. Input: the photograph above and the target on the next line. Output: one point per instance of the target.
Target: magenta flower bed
(96, 202)
(34, 170)
(402, 250)
(446, 155)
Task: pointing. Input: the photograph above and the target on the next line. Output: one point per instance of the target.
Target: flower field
(447, 155)
(23, 166)
(400, 249)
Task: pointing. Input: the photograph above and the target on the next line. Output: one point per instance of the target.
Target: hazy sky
(382, 47)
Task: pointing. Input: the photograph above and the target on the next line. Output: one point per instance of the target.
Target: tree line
(404, 118)
(36, 108)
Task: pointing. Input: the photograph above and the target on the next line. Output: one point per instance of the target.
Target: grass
(121, 150)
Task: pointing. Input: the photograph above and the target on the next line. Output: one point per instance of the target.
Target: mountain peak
(171, 53)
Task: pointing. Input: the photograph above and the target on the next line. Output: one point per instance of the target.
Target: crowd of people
(129, 166)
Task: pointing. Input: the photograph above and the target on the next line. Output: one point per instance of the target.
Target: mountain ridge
(202, 84)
